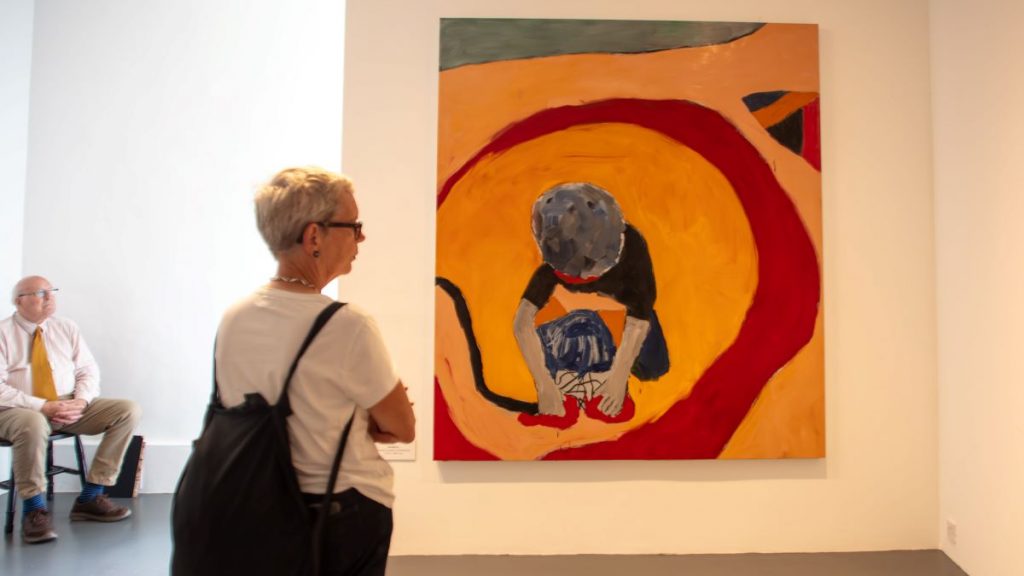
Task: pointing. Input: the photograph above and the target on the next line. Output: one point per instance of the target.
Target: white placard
(397, 452)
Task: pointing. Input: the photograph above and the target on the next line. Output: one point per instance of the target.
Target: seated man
(50, 382)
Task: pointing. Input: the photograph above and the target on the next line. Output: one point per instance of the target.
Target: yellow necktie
(42, 375)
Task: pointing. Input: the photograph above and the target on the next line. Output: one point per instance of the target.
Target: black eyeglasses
(356, 227)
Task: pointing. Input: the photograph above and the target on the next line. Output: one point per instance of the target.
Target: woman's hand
(391, 419)
(380, 436)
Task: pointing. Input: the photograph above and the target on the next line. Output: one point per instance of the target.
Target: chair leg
(12, 494)
(80, 454)
(49, 468)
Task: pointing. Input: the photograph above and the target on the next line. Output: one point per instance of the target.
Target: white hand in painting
(613, 394)
(614, 390)
(549, 398)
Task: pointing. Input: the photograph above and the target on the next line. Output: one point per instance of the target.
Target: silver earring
(316, 253)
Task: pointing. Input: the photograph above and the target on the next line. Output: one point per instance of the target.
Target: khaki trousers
(28, 430)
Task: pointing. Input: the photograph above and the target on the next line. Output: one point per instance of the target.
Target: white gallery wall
(15, 71)
(151, 124)
(978, 92)
(878, 487)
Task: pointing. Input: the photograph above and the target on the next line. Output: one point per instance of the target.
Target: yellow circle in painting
(701, 246)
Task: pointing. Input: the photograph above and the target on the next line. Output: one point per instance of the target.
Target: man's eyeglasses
(40, 293)
(356, 227)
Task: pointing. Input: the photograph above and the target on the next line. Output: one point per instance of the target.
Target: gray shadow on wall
(631, 470)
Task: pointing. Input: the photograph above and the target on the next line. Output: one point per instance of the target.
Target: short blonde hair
(292, 199)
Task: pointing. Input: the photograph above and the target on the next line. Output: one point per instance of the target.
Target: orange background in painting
(700, 244)
(704, 258)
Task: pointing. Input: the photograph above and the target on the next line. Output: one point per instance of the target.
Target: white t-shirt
(347, 363)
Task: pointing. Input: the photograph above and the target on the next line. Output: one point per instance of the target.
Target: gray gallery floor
(141, 546)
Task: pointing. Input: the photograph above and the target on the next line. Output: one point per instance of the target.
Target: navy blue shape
(652, 362)
(579, 341)
(790, 132)
(759, 100)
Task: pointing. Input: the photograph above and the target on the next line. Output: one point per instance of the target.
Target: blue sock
(34, 503)
(89, 492)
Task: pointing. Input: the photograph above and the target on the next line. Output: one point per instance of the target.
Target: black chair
(51, 471)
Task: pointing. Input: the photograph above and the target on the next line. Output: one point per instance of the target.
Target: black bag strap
(325, 504)
(284, 408)
(284, 405)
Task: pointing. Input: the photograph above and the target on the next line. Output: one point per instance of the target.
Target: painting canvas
(628, 241)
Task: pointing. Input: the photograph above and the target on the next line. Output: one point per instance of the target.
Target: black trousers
(357, 534)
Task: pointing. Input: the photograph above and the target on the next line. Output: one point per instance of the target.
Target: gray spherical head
(579, 229)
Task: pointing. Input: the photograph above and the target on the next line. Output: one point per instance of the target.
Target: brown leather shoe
(37, 528)
(100, 509)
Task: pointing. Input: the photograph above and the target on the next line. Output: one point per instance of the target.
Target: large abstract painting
(628, 241)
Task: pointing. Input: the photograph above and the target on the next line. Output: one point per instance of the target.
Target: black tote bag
(238, 508)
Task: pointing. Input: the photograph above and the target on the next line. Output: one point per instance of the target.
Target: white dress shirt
(75, 373)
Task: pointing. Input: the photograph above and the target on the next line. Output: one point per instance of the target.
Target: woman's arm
(392, 419)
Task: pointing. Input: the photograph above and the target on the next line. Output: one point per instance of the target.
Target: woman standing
(309, 220)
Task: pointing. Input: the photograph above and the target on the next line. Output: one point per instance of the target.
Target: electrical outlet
(951, 531)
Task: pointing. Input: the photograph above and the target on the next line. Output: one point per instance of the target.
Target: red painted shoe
(572, 414)
(624, 415)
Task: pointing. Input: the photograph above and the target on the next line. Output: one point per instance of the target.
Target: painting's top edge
(466, 41)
